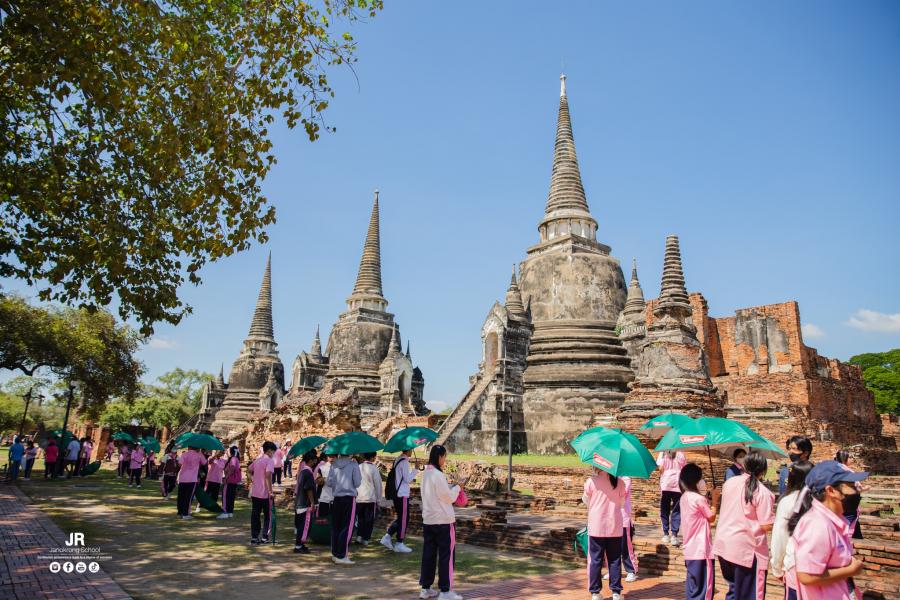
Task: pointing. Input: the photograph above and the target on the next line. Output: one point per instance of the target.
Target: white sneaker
(665, 539)
(451, 595)
(401, 547)
(617, 597)
(631, 577)
(596, 596)
(674, 541)
(606, 576)
(427, 593)
(230, 515)
(386, 542)
(222, 516)
(186, 517)
(341, 561)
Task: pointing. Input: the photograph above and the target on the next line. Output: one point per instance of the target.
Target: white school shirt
(327, 494)
(782, 559)
(404, 477)
(438, 497)
(369, 489)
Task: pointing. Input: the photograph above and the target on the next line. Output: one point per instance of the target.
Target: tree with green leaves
(168, 403)
(881, 372)
(136, 136)
(82, 346)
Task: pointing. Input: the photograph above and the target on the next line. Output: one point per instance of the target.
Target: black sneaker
(301, 550)
(254, 542)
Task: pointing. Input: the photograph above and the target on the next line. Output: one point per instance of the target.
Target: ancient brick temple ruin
(363, 353)
(586, 350)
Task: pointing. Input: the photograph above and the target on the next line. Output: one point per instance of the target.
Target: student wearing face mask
(737, 467)
(697, 515)
(746, 516)
(824, 563)
(799, 448)
(782, 548)
(843, 458)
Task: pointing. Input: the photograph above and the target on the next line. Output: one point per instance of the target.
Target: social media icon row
(78, 567)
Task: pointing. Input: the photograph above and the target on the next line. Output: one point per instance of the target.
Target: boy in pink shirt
(261, 471)
(136, 465)
(747, 514)
(823, 553)
(190, 462)
(696, 517)
(278, 465)
(604, 497)
(215, 470)
(670, 464)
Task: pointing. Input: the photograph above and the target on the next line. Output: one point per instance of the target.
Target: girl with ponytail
(746, 515)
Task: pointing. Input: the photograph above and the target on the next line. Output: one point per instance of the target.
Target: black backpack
(390, 487)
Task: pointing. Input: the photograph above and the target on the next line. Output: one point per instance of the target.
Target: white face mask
(740, 461)
(701, 487)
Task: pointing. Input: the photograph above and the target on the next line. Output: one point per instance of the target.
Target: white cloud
(161, 343)
(812, 331)
(870, 320)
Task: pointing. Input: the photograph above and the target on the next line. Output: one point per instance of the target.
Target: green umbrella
(767, 448)
(660, 424)
(57, 433)
(304, 445)
(150, 443)
(91, 469)
(614, 451)
(124, 437)
(708, 433)
(182, 437)
(409, 438)
(201, 440)
(354, 442)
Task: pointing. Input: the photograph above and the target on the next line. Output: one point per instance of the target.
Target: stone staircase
(462, 409)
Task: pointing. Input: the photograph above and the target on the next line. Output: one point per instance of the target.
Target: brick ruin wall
(773, 382)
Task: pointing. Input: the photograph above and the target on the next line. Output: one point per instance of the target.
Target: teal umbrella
(409, 438)
(614, 451)
(767, 448)
(182, 436)
(201, 440)
(124, 437)
(354, 442)
(306, 444)
(150, 443)
(660, 424)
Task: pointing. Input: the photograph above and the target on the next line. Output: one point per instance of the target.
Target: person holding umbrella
(343, 479)
(401, 476)
(304, 501)
(746, 516)
(696, 518)
(188, 476)
(261, 471)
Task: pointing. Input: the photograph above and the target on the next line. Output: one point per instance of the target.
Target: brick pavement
(25, 533)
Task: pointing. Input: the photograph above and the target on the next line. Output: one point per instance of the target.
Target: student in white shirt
(438, 527)
(368, 498)
(404, 475)
(781, 548)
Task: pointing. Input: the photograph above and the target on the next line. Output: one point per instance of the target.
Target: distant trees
(881, 372)
(168, 403)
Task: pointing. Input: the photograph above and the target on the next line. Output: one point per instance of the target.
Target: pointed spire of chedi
(634, 303)
(261, 325)
(408, 354)
(673, 297)
(316, 349)
(395, 347)
(220, 380)
(368, 280)
(514, 296)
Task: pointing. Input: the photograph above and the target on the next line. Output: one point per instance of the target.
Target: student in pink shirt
(261, 471)
(670, 464)
(190, 462)
(824, 565)
(215, 471)
(696, 517)
(604, 497)
(278, 465)
(629, 558)
(747, 514)
(233, 478)
(124, 457)
(136, 466)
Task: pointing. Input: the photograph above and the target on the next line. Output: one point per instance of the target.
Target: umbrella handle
(711, 469)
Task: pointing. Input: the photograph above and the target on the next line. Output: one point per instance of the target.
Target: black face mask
(850, 503)
(795, 457)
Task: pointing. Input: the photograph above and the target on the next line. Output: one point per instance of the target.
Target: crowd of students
(812, 526)
(24, 451)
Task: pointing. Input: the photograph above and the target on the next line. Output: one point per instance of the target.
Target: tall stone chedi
(632, 323)
(256, 381)
(577, 369)
(363, 349)
(672, 370)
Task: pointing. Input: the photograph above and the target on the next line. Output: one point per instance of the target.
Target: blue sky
(765, 134)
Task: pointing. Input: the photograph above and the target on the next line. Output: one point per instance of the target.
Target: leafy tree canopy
(168, 404)
(881, 372)
(136, 136)
(86, 347)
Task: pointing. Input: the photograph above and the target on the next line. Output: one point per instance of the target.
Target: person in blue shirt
(737, 467)
(799, 448)
(16, 452)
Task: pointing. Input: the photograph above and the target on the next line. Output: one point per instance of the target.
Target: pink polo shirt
(626, 506)
(669, 470)
(823, 541)
(190, 463)
(604, 503)
(278, 458)
(260, 469)
(137, 458)
(235, 476)
(695, 514)
(739, 533)
(216, 468)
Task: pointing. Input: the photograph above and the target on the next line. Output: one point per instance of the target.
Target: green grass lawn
(157, 554)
